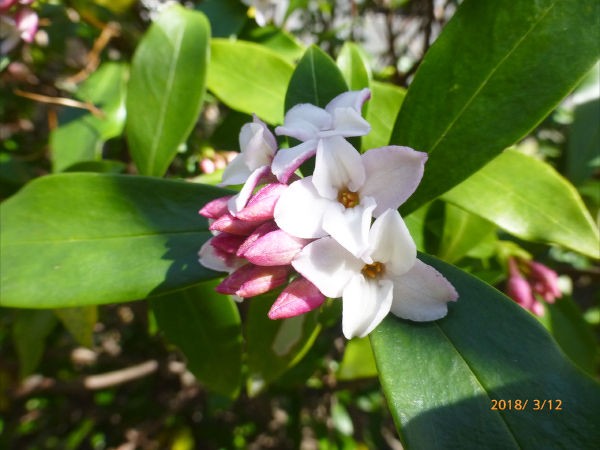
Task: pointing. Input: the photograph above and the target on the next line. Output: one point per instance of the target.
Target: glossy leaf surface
(529, 199)
(441, 378)
(256, 86)
(497, 69)
(166, 87)
(87, 238)
(206, 327)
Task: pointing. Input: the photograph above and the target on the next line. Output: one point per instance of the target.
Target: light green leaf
(529, 199)
(249, 78)
(386, 100)
(81, 135)
(496, 70)
(82, 238)
(80, 322)
(462, 232)
(278, 40)
(206, 326)
(441, 379)
(358, 361)
(166, 88)
(354, 67)
(273, 346)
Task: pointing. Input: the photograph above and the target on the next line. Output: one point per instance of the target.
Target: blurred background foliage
(50, 394)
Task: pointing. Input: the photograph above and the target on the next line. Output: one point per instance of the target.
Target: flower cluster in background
(336, 233)
(17, 22)
(530, 280)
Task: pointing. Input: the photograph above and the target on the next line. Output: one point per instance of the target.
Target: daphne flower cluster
(17, 22)
(529, 280)
(336, 233)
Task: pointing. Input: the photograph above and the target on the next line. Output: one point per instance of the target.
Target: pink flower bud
(251, 280)
(300, 297)
(259, 232)
(228, 243)
(207, 165)
(216, 208)
(6, 4)
(276, 248)
(229, 224)
(518, 288)
(262, 204)
(27, 23)
(545, 281)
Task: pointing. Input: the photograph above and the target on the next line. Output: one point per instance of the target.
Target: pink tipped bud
(262, 204)
(518, 288)
(27, 23)
(545, 281)
(537, 308)
(6, 4)
(227, 243)
(259, 232)
(216, 208)
(276, 248)
(229, 224)
(207, 165)
(300, 297)
(251, 280)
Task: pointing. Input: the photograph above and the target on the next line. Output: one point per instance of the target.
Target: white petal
(239, 201)
(422, 294)
(304, 121)
(300, 210)
(287, 161)
(347, 122)
(337, 166)
(327, 265)
(366, 303)
(393, 174)
(392, 244)
(257, 145)
(351, 99)
(236, 172)
(350, 226)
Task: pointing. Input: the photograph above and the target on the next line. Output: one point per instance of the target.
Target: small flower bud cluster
(17, 22)
(529, 280)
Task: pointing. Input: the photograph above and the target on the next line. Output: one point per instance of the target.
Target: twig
(61, 101)
(120, 376)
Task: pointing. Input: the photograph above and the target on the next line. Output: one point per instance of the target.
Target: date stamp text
(526, 404)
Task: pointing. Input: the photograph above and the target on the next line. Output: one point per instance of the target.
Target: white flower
(309, 123)
(390, 278)
(348, 189)
(252, 165)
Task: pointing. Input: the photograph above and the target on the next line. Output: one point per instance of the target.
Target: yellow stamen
(348, 198)
(373, 270)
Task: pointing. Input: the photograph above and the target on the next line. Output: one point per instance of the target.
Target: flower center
(373, 270)
(348, 198)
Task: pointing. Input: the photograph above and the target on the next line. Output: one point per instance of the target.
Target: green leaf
(249, 78)
(316, 80)
(386, 100)
(81, 135)
(166, 88)
(441, 378)
(529, 199)
(565, 322)
(358, 361)
(494, 73)
(278, 40)
(354, 67)
(80, 322)
(206, 326)
(79, 239)
(462, 232)
(30, 330)
(227, 17)
(273, 346)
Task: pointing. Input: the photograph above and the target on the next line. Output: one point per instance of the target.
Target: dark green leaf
(249, 78)
(498, 68)
(166, 88)
(82, 238)
(273, 346)
(529, 199)
(278, 40)
(441, 378)
(30, 330)
(206, 327)
(227, 17)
